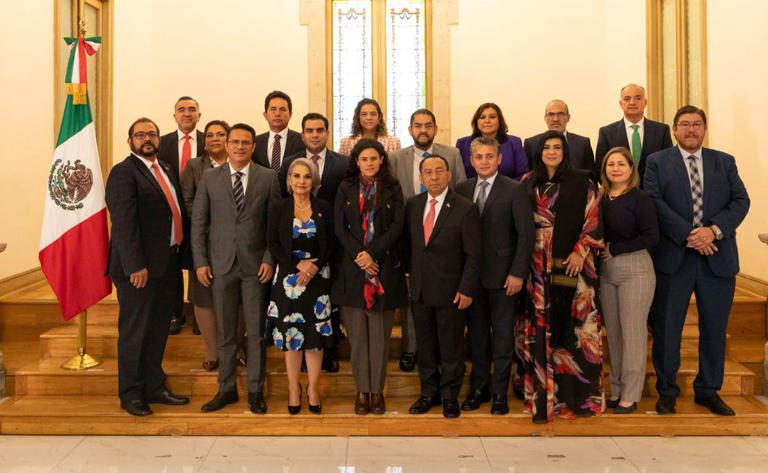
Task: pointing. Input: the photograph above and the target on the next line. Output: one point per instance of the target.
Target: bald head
(556, 115)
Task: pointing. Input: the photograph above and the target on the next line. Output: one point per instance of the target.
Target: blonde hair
(313, 172)
(634, 178)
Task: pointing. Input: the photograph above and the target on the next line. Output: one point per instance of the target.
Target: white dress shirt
(628, 128)
(243, 178)
(320, 162)
(168, 182)
(270, 144)
(439, 205)
(192, 142)
(699, 164)
(490, 182)
(418, 157)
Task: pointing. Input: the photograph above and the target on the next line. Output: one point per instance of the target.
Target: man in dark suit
(177, 149)
(279, 142)
(443, 232)
(700, 201)
(333, 169)
(508, 236)
(146, 251)
(641, 136)
(229, 243)
(557, 116)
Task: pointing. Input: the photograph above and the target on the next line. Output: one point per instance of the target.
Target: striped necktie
(697, 191)
(238, 190)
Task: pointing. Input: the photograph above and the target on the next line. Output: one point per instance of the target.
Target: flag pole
(82, 361)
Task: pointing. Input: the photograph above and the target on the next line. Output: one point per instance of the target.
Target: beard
(424, 141)
(140, 151)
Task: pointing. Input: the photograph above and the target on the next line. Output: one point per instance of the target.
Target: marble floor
(33, 454)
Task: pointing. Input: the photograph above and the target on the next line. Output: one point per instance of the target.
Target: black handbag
(558, 277)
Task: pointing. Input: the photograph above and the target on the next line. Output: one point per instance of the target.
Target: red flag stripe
(83, 61)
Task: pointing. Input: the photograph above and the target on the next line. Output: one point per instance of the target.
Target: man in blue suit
(701, 201)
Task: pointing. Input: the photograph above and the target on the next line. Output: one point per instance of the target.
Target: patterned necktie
(637, 146)
(480, 201)
(429, 222)
(238, 190)
(186, 154)
(424, 155)
(178, 230)
(697, 192)
(315, 158)
(276, 150)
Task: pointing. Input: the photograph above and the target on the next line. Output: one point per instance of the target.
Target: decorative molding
(752, 284)
(654, 43)
(19, 280)
(442, 15)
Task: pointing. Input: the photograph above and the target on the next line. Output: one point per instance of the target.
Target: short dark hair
(242, 126)
(690, 109)
(142, 120)
(313, 116)
(501, 135)
(424, 111)
(220, 123)
(421, 164)
(540, 174)
(185, 97)
(278, 94)
(357, 129)
(385, 171)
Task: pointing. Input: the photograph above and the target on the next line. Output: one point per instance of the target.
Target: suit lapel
(225, 178)
(681, 175)
(417, 219)
(648, 136)
(708, 161)
(621, 132)
(409, 163)
(444, 215)
(147, 173)
(252, 183)
(492, 194)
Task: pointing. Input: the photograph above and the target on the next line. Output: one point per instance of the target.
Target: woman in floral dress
(299, 314)
(560, 332)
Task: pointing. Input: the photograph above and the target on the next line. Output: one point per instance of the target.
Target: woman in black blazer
(369, 283)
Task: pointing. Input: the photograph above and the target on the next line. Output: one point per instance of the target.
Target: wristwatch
(716, 230)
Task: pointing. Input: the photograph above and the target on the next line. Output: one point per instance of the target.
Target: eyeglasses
(690, 125)
(141, 135)
(243, 143)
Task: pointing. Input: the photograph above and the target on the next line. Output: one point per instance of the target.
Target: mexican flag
(74, 238)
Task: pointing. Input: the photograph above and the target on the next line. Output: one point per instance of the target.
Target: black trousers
(491, 338)
(143, 331)
(440, 338)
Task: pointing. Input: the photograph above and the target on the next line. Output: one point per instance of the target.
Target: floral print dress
(559, 339)
(299, 317)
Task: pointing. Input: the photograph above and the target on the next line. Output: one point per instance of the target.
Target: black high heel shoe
(293, 410)
(314, 408)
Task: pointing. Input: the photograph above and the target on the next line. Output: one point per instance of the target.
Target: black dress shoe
(362, 403)
(612, 403)
(666, 405)
(407, 362)
(175, 328)
(625, 410)
(715, 404)
(499, 405)
(378, 407)
(451, 409)
(474, 400)
(257, 403)
(424, 404)
(164, 396)
(219, 401)
(330, 362)
(136, 407)
(519, 395)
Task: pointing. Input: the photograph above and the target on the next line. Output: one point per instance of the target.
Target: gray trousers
(369, 342)
(228, 292)
(627, 284)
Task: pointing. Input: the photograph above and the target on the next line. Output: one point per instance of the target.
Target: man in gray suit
(405, 166)
(229, 227)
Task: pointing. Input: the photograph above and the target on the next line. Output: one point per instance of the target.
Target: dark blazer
(450, 263)
(385, 247)
(579, 149)
(169, 150)
(334, 171)
(656, 137)
(190, 179)
(293, 144)
(141, 220)
(507, 228)
(725, 204)
(280, 231)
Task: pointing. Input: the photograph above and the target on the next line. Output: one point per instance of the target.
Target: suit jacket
(190, 179)
(656, 137)
(388, 221)
(334, 171)
(725, 204)
(401, 163)
(280, 232)
(450, 262)
(507, 229)
(141, 220)
(293, 144)
(579, 149)
(169, 150)
(221, 233)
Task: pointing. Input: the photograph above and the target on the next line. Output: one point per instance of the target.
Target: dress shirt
(168, 182)
(418, 156)
(192, 143)
(628, 128)
(283, 144)
(439, 205)
(214, 164)
(320, 162)
(490, 181)
(243, 178)
(699, 165)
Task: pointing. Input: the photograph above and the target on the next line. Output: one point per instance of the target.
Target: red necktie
(186, 154)
(429, 222)
(178, 231)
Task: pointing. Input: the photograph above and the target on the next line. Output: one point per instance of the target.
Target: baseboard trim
(752, 283)
(19, 280)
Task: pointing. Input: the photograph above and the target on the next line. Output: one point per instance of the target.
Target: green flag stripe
(70, 63)
(76, 117)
